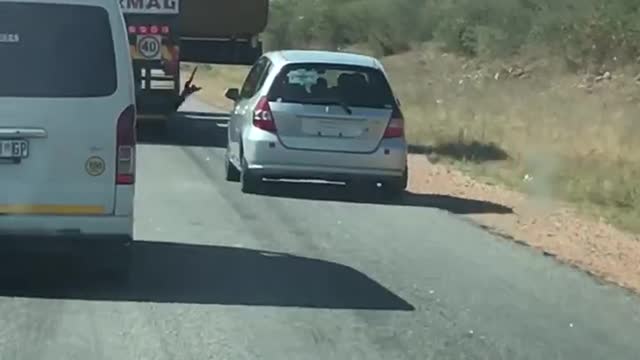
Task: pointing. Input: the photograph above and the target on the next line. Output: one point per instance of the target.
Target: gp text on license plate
(14, 149)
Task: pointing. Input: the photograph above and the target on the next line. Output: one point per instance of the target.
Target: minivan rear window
(55, 51)
(320, 83)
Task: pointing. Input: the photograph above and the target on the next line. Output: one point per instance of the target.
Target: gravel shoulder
(552, 227)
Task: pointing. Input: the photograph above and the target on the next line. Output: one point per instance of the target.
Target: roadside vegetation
(543, 95)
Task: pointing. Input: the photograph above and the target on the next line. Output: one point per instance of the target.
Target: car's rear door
(242, 114)
(59, 106)
(331, 107)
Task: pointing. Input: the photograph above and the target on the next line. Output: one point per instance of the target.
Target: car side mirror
(398, 102)
(232, 94)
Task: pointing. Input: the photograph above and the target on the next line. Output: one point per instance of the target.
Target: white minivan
(67, 126)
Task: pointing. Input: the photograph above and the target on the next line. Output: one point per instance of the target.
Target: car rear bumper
(267, 156)
(324, 174)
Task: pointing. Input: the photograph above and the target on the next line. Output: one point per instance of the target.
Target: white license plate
(14, 149)
(331, 129)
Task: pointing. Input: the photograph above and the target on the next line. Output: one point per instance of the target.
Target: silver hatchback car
(317, 115)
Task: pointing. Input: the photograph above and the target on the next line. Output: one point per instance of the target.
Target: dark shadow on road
(188, 129)
(196, 274)
(452, 204)
(474, 151)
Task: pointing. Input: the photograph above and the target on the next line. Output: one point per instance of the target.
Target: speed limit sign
(149, 46)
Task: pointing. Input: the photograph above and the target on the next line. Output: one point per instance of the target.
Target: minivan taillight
(263, 117)
(126, 147)
(395, 128)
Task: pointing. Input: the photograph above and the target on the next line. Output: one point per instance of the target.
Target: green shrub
(590, 32)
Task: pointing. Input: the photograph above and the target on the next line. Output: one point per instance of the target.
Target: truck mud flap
(220, 51)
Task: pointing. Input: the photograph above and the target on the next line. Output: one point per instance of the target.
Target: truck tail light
(126, 147)
(149, 29)
(263, 117)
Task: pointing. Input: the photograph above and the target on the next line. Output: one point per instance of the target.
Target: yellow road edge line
(25, 209)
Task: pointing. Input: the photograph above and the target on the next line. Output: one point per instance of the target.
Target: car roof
(284, 57)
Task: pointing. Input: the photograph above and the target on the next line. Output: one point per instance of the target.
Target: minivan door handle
(12, 133)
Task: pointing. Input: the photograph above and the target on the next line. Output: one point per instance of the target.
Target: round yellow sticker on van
(95, 166)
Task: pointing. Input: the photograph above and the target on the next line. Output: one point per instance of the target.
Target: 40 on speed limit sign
(149, 46)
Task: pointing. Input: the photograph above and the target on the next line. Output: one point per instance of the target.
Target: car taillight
(395, 128)
(263, 117)
(126, 147)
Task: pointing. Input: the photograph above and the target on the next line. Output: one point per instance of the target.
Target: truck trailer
(164, 33)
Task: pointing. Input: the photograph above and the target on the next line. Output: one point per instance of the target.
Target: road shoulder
(553, 228)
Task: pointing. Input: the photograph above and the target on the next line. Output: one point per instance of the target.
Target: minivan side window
(56, 51)
(255, 78)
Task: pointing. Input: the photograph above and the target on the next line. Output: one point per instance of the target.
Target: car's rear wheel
(394, 188)
(250, 182)
(392, 191)
(231, 171)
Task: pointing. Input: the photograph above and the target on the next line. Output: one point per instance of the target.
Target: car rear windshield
(326, 83)
(53, 50)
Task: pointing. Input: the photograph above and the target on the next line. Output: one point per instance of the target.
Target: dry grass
(567, 136)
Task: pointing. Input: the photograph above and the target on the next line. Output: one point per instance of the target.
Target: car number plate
(14, 149)
(329, 128)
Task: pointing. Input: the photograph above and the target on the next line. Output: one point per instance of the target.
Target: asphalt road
(305, 273)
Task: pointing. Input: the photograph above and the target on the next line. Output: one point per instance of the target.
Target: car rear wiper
(345, 106)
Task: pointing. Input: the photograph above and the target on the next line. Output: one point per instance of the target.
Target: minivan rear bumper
(89, 227)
